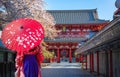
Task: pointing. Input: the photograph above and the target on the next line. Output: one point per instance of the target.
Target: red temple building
(77, 26)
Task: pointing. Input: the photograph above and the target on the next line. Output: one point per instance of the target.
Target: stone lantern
(117, 12)
(117, 3)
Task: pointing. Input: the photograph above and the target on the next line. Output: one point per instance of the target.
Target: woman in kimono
(28, 63)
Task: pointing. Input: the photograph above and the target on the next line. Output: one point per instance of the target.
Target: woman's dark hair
(33, 49)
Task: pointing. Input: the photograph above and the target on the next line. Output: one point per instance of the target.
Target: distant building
(77, 26)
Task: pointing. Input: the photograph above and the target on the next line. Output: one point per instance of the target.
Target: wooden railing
(70, 39)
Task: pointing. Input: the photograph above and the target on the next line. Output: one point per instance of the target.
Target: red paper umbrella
(22, 34)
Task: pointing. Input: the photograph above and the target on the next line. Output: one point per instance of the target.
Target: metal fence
(7, 63)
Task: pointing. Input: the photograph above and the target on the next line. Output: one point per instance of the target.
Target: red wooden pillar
(111, 65)
(58, 55)
(86, 62)
(98, 62)
(70, 56)
(80, 58)
(92, 62)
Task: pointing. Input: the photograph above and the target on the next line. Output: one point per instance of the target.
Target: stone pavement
(64, 70)
(64, 65)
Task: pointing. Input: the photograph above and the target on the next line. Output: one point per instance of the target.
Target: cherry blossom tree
(34, 9)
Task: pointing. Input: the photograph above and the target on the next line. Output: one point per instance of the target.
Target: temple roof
(76, 16)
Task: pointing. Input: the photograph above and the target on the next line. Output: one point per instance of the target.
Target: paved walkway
(64, 70)
(64, 65)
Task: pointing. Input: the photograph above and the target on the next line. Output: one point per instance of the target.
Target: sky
(105, 8)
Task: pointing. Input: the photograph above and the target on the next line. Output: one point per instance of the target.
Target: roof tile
(75, 16)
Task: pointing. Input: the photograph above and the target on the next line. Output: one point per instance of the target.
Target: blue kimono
(30, 66)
